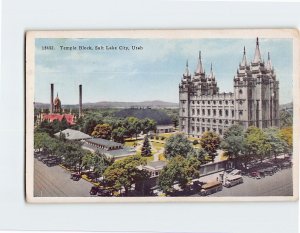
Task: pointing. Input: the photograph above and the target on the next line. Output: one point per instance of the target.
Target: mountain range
(115, 104)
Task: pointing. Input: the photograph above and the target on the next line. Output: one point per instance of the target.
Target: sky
(151, 73)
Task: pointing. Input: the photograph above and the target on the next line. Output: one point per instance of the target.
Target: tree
(177, 145)
(147, 125)
(286, 119)
(102, 131)
(64, 123)
(200, 154)
(97, 162)
(233, 142)
(133, 126)
(73, 154)
(123, 173)
(118, 134)
(175, 120)
(256, 143)
(89, 125)
(45, 127)
(146, 148)
(278, 145)
(180, 170)
(42, 141)
(287, 135)
(210, 142)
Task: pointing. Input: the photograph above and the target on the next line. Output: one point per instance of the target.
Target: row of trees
(71, 153)
(120, 129)
(52, 127)
(255, 143)
(238, 145)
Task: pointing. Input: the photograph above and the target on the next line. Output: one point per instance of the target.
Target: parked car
(210, 188)
(269, 171)
(75, 176)
(42, 157)
(53, 162)
(257, 174)
(104, 193)
(287, 164)
(94, 190)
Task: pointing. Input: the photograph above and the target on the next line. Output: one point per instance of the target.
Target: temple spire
(211, 71)
(269, 63)
(257, 56)
(187, 72)
(200, 69)
(244, 60)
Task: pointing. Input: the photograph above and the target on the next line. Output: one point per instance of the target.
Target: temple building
(56, 112)
(253, 102)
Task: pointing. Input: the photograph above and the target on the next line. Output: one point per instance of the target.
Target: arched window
(241, 91)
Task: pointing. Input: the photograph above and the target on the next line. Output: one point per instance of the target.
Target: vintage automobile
(104, 193)
(53, 162)
(269, 171)
(94, 190)
(75, 176)
(211, 187)
(257, 174)
(287, 164)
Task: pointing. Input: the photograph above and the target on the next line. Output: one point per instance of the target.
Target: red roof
(56, 116)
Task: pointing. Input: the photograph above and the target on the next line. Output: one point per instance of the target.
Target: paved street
(56, 182)
(280, 184)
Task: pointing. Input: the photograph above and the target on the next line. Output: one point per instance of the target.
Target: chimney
(51, 98)
(80, 100)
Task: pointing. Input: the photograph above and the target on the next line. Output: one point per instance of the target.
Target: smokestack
(51, 98)
(80, 100)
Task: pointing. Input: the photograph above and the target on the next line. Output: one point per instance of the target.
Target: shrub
(157, 137)
(195, 142)
(163, 138)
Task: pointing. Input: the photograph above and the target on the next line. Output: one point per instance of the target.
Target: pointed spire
(244, 60)
(211, 71)
(187, 72)
(257, 56)
(269, 63)
(199, 69)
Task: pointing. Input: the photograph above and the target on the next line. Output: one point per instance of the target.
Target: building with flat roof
(165, 128)
(110, 149)
(155, 167)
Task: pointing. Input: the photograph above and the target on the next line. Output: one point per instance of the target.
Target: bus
(211, 187)
(233, 180)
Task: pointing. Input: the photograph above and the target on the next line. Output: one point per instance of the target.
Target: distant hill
(144, 104)
(109, 104)
(155, 114)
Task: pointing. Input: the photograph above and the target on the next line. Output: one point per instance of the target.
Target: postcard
(162, 115)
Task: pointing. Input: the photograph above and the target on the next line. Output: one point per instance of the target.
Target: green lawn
(131, 142)
(157, 145)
